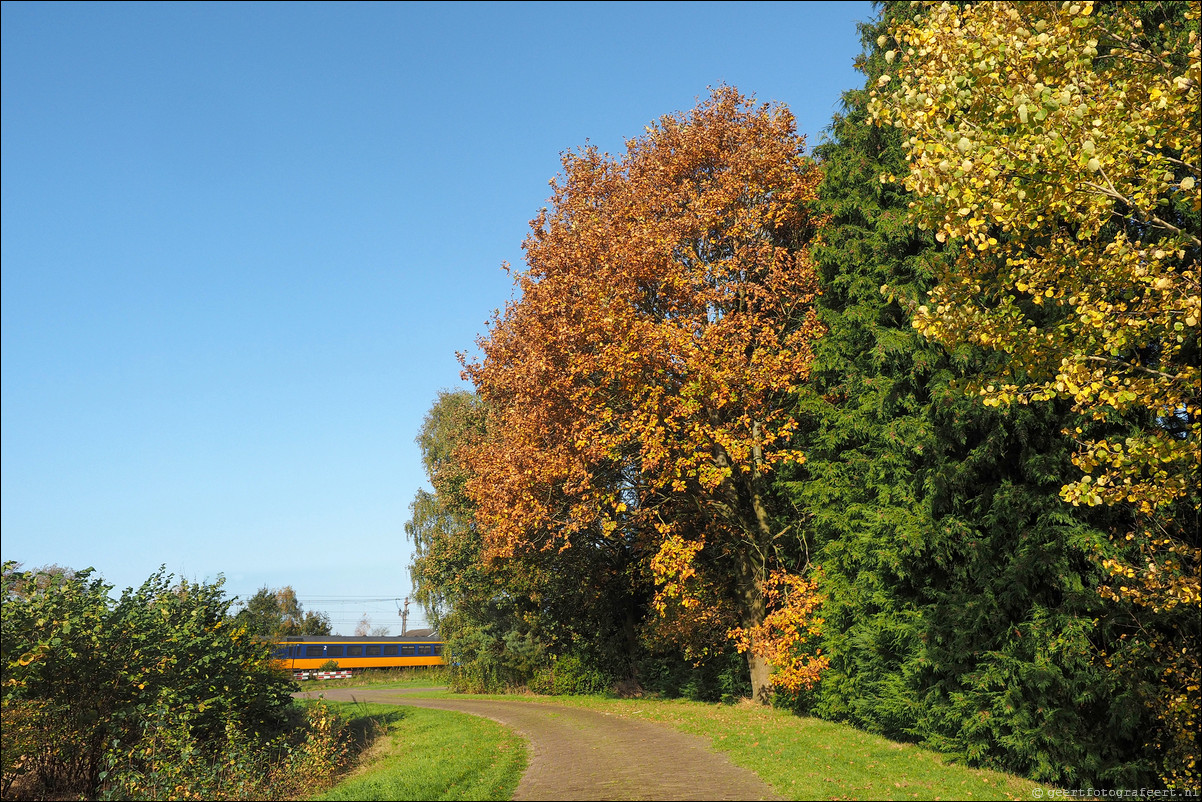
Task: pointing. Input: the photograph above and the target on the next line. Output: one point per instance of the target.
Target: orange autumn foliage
(791, 623)
(636, 386)
(690, 614)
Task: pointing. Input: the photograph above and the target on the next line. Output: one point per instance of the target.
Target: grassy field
(430, 751)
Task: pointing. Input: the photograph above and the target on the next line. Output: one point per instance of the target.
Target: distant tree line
(273, 614)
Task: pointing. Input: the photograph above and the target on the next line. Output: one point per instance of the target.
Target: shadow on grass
(364, 726)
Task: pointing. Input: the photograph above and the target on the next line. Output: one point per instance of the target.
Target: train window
(408, 651)
(373, 650)
(390, 650)
(354, 651)
(423, 651)
(313, 650)
(437, 650)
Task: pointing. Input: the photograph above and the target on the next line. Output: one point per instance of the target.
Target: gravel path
(583, 754)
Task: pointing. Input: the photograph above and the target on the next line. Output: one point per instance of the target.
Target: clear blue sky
(242, 243)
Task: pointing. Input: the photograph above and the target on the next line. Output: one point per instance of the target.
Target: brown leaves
(665, 311)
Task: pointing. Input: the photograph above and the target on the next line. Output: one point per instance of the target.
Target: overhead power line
(349, 599)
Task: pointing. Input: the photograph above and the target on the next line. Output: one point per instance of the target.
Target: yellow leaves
(790, 623)
(1072, 262)
(673, 564)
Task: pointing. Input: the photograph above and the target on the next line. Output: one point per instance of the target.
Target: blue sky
(242, 243)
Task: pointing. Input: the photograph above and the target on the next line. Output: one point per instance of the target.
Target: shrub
(168, 762)
(163, 667)
(491, 659)
(723, 677)
(570, 675)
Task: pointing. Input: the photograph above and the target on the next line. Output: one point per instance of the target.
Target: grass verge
(430, 754)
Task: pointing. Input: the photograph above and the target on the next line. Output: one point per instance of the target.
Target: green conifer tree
(962, 609)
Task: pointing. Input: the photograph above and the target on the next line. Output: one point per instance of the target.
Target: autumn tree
(1055, 148)
(278, 613)
(636, 386)
(504, 621)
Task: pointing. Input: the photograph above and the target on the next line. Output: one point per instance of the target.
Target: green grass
(800, 757)
(431, 754)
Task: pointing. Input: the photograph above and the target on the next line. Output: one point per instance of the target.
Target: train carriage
(309, 653)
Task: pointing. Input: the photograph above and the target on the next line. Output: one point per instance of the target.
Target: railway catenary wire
(412, 620)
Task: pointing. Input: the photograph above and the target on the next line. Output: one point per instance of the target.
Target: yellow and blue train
(311, 652)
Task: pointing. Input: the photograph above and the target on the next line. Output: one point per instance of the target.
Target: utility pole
(404, 614)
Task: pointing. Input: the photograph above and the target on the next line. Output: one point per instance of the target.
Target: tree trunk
(752, 612)
(743, 505)
(761, 669)
(761, 677)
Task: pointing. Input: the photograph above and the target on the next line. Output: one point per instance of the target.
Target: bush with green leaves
(722, 677)
(495, 657)
(83, 673)
(169, 763)
(571, 674)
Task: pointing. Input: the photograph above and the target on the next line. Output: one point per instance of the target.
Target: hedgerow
(155, 694)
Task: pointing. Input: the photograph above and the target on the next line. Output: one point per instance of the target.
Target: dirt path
(582, 754)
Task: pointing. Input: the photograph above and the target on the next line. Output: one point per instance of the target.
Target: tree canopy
(1061, 147)
(636, 387)
(914, 426)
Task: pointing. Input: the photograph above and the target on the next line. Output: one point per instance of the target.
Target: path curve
(583, 754)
